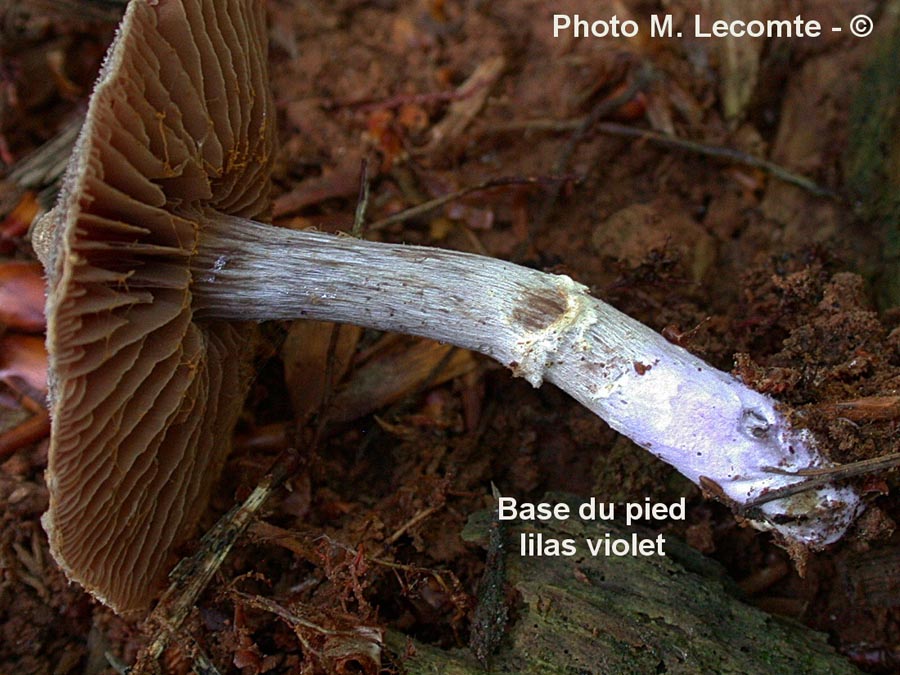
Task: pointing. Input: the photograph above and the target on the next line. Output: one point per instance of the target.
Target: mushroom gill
(143, 399)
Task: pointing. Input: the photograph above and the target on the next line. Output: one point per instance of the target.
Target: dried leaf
(384, 134)
(22, 296)
(17, 222)
(23, 364)
(306, 361)
(343, 181)
(389, 377)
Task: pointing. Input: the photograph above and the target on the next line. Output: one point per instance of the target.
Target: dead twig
(192, 574)
(719, 152)
(432, 204)
(584, 125)
(601, 110)
(412, 522)
(867, 409)
(715, 151)
(824, 476)
(30, 431)
(465, 108)
(491, 613)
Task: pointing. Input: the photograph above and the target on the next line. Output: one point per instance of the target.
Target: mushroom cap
(143, 398)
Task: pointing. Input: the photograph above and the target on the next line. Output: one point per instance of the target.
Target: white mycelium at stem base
(700, 420)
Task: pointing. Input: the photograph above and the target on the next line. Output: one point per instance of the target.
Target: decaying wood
(676, 614)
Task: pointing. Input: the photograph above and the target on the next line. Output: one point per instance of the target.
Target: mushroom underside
(143, 397)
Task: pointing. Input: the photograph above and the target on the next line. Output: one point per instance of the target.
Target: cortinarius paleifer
(155, 264)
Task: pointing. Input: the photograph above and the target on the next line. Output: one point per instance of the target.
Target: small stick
(584, 125)
(491, 613)
(432, 204)
(823, 476)
(866, 409)
(718, 152)
(601, 110)
(30, 431)
(848, 470)
(415, 520)
(192, 574)
(201, 662)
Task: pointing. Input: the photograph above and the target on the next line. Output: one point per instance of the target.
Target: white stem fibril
(704, 422)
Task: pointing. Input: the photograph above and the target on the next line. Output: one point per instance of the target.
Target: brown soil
(751, 273)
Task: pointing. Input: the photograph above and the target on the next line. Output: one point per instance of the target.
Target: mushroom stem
(712, 428)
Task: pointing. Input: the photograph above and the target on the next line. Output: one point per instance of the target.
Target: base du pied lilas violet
(708, 425)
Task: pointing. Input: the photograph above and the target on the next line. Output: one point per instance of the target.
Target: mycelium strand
(708, 425)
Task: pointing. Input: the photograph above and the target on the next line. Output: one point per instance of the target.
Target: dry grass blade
(717, 152)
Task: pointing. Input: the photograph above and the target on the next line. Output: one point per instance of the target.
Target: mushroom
(143, 397)
(155, 264)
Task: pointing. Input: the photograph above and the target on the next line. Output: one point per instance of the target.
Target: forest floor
(779, 283)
